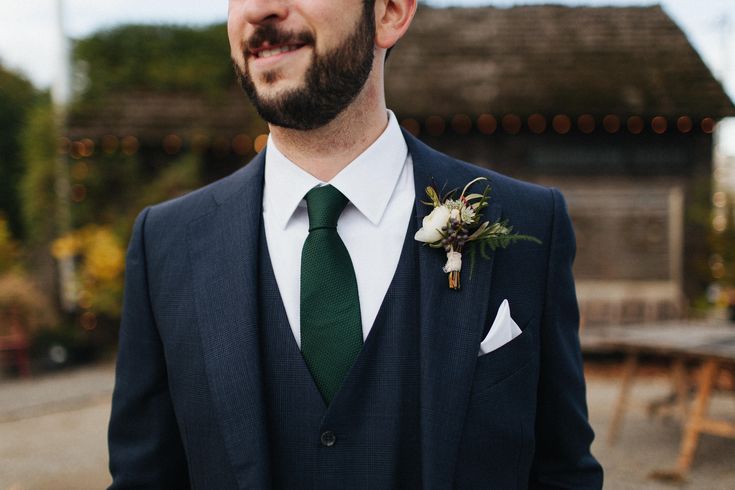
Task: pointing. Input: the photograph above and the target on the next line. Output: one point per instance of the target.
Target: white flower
(454, 262)
(432, 224)
(468, 215)
(454, 213)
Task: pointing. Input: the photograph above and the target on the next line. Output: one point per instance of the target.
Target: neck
(325, 151)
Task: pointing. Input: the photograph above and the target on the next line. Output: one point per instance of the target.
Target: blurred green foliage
(182, 176)
(36, 189)
(711, 257)
(10, 250)
(110, 183)
(109, 186)
(133, 59)
(113, 185)
(100, 258)
(155, 58)
(722, 247)
(17, 97)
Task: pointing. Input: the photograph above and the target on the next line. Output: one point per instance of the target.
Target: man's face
(301, 63)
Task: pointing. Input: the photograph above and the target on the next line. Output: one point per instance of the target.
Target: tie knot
(324, 205)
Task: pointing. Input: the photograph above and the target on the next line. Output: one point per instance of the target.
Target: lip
(254, 54)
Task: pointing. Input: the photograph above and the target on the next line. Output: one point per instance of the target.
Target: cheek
(235, 30)
(236, 51)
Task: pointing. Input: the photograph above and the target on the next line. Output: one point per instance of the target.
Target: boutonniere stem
(454, 224)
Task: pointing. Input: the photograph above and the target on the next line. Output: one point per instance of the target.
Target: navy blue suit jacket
(188, 409)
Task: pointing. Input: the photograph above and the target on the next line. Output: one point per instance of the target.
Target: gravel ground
(53, 430)
(53, 434)
(645, 444)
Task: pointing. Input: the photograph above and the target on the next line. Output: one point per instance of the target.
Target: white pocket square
(502, 331)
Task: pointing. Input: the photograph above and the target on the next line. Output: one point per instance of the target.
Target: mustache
(272, 35)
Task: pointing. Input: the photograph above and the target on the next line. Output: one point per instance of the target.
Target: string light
(708, 125)
(412, 126)
(461, 124)
(684, 124)
(611, 123)
(78, 193)
(487, 124)
(241, 144)
(172, 144)
(719, 199)
(561, 123)
(88, 321)
(635, 124)
(130, 145)
(260, 142)
(537, 123)
(586, 123)
(87, 148)
(659, 124)
(77, 150)
(80, 170)
(64, 146)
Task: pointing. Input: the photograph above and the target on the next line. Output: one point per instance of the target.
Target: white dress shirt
(380, 187)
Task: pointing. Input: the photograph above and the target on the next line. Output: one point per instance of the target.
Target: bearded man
(285, 327)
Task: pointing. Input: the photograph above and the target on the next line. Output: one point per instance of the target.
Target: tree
(39, 147)
(17, 97)
(156, 58)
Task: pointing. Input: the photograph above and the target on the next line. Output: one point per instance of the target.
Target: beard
(331, 83)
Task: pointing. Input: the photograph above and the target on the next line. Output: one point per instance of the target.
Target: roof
(153, 115)
(550, 59)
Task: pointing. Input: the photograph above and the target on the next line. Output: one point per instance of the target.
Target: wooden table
(712, 347)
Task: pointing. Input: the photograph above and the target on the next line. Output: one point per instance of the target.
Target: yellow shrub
(100, 262)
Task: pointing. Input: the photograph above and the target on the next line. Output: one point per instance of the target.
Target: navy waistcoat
(369, 436)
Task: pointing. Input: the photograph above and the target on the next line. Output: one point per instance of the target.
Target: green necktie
(331, 328)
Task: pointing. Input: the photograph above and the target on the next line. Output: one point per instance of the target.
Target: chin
(273, 86)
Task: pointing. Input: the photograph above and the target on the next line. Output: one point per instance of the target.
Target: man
(282, 328)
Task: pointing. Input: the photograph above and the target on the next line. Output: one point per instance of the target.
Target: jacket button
(328, 438)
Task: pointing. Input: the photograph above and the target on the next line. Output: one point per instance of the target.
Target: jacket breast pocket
(495, 366)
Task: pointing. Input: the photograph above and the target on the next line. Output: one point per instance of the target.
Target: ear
(392, 18)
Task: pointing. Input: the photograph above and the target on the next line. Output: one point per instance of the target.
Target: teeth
(267, 53)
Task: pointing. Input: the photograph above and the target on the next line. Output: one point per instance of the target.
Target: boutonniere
(456, 224)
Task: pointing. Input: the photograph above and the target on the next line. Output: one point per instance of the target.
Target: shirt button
(328, 438)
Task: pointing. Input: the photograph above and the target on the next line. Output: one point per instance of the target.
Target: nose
(258, 12)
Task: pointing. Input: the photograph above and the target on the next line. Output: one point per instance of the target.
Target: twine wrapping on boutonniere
(454, 224)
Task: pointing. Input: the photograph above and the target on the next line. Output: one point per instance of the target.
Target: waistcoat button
(328, 438)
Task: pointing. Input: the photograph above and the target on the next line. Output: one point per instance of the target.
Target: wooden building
(611, 105)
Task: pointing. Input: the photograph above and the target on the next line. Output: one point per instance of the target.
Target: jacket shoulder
(511, 192)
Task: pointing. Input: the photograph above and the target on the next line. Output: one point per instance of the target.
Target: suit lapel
(451, 325)
(223, 246)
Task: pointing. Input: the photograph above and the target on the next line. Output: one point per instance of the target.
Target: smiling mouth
(269, 52)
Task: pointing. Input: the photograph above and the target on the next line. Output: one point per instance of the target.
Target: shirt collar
(368, 181)
(285, 185)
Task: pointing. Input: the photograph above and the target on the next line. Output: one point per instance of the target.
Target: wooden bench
(712, 348)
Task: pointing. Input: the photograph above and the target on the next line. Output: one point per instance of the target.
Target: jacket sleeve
(144, 442)
(563, 433)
